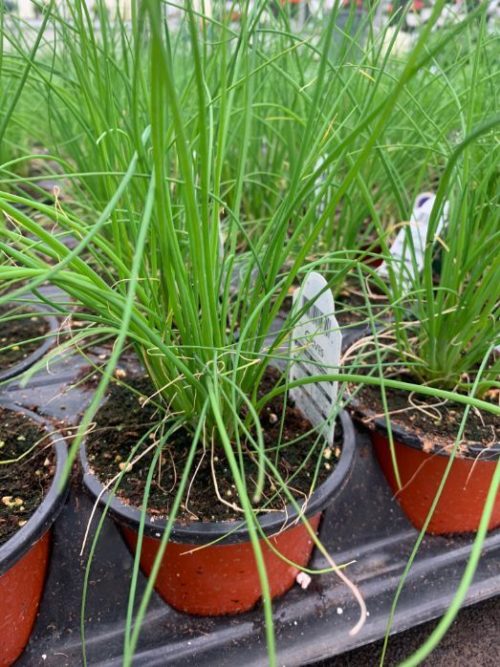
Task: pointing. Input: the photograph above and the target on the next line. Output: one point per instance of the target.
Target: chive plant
(447, 319)
(156, 246)
(458, 309)
(15, 133)
(92, 137)
(457, 87)
(446, 333)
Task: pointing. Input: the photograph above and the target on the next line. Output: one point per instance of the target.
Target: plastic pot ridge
(222, 578)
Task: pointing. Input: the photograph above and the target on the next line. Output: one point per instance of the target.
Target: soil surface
(24, 481)
(17, 330)
(436, 423)
(350, 305)
(124, 420)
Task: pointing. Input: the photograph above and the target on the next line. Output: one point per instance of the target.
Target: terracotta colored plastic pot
(23, 564)
(41, 350)
(222, 578)
(462, 501)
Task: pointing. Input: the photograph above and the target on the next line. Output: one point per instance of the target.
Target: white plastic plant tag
(316, 344)
(400, 250)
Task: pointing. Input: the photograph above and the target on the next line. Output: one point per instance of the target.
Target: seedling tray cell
(365, 525)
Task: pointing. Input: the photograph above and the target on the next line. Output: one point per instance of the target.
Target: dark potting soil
(350, 306)
(25, 481)
(124, 419)
(89, 376)
(20, 328)
(434, 423)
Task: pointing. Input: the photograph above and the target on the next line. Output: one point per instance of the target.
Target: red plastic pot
(23, 564)
(222, 578)
(462, 501)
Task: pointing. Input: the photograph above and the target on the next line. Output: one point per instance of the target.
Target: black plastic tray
(365, 525)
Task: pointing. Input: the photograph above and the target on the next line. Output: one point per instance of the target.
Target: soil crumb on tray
(21, 333)
(25, 481)
(125, 418)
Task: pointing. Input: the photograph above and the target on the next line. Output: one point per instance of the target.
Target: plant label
(412, 262)
(316, 344)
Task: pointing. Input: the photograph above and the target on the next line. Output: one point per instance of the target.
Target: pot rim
(46, 513)
(405, 437)
(230, 532)
(22, 365)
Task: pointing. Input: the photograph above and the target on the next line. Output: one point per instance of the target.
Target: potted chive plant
(32, 461)
(445, 337)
